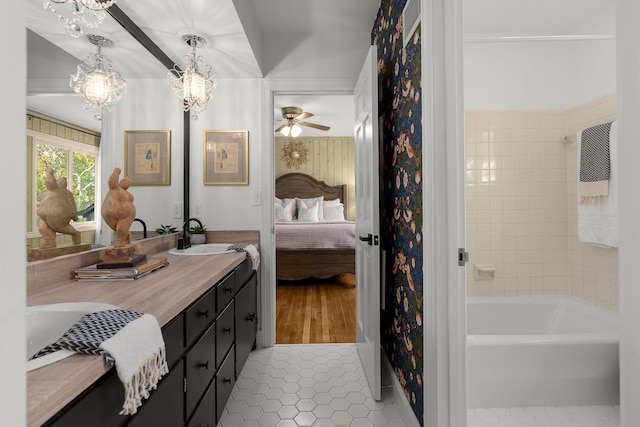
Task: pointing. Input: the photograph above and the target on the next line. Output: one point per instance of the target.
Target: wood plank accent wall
(52, 126)
(331, 159)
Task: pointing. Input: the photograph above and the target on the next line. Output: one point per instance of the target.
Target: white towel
(139, 352)
(250, 250)
(130, 340)
(598, 223)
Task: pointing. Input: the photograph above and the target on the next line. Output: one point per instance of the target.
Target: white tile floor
(550, 416)
(306, 385)
(323, 385)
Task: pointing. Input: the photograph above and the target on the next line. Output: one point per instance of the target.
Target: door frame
(270, 89)
(444, 331)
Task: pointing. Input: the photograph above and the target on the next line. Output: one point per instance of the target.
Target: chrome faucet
(185, 241)
(144, 227)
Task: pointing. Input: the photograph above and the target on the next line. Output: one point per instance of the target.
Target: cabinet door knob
(251, 317)
(227, 380)
(204, 365)
(227, 330)
(204, 313)
(228, 289)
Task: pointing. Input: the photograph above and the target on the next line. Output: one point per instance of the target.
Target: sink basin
(206, 249)
(47, 323)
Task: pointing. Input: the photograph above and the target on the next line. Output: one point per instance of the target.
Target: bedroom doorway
(315, 289)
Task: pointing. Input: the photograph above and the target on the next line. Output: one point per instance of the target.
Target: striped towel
(250, 250)
(129, 340)
(595, 164)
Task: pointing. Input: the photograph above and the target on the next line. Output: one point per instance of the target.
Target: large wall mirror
(61, 133)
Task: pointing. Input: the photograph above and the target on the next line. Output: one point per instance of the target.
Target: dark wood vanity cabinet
(207, 345)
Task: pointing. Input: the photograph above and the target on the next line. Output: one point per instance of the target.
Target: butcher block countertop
(164, 293)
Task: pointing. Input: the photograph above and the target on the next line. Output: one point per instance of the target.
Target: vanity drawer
(224, 383)
(205, 414)
(173, 334)
(243, 272)
(225, 290)
(224, 333)
(164, 406)
(199, 316)
(200, 367)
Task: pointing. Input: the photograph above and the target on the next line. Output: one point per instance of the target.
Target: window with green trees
(75, 161)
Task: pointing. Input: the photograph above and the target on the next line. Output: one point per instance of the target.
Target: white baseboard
(397, 394)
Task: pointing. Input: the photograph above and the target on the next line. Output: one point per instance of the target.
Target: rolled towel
(249, 249)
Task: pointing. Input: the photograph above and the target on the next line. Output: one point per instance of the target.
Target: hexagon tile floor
(306, 385)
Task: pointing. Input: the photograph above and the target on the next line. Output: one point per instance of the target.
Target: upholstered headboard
(305, 186)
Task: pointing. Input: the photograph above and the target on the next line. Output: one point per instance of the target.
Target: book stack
(94, 272)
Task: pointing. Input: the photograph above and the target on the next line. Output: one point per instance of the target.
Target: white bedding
(314, 235)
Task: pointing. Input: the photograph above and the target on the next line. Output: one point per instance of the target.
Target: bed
(297, 261)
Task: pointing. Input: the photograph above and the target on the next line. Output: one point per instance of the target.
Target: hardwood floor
(316, 311)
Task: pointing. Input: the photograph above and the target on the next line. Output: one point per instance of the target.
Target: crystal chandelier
(95, 80)
(195, 85)
(76, 18)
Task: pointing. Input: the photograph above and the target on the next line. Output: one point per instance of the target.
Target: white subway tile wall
(521, 205)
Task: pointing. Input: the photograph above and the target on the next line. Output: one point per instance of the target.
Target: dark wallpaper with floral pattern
(400, 108)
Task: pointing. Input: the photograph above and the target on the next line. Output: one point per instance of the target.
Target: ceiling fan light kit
(195, 85)
(293, 117)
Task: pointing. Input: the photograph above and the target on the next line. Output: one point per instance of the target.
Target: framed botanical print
(147, 156)
(226, 157)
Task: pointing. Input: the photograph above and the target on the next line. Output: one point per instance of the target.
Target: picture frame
(147, 156)
(225, 157)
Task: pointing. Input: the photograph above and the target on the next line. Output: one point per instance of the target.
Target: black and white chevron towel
(595, 164)
(250, 250)
(130, 340)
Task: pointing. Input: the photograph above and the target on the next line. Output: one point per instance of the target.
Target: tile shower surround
(521, 205)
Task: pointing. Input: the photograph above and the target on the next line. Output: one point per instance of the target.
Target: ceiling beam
(137, 33)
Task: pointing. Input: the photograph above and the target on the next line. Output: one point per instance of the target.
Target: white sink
(206, 249)
(47, 323)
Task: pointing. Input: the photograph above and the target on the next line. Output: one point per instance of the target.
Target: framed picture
(226, 157)
(147, 156)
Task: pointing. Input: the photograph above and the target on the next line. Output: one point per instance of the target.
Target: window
(75, 161)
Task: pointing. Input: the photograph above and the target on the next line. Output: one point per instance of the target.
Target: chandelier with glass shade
(95, 80)
(195, 84)
(81, 13)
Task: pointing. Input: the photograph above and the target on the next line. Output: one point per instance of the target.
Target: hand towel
(594, 164)
(130, 340)
(250, 250)
(598, 222)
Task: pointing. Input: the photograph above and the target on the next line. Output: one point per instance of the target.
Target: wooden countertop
(163, 293)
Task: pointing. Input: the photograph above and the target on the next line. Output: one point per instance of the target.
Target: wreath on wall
(295, 154)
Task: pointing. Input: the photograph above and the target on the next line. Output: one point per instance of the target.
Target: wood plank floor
(316, 311)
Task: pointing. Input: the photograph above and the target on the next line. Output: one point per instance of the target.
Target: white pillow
(318, 200)
(334, 213)
(284, 211)
(282, 202)
(308, 213)
(331, 203)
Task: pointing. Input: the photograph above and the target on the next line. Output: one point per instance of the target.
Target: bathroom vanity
(207, 308)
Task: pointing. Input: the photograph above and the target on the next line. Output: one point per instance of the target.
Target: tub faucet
(144, 227)
(185, 242)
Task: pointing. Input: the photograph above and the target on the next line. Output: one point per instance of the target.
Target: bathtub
(540, 351)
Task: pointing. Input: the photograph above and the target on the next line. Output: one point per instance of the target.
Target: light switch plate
(197, 210)
(256, 198)
(177, 210)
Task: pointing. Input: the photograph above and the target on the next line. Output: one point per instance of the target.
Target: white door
(368, 223)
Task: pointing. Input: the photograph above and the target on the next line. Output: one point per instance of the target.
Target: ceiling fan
(293, 116)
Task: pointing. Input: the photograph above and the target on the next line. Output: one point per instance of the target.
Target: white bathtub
(540, 351)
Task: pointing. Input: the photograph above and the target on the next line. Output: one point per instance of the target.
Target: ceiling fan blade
(280, 128)
(315, 126)
(303, 116)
